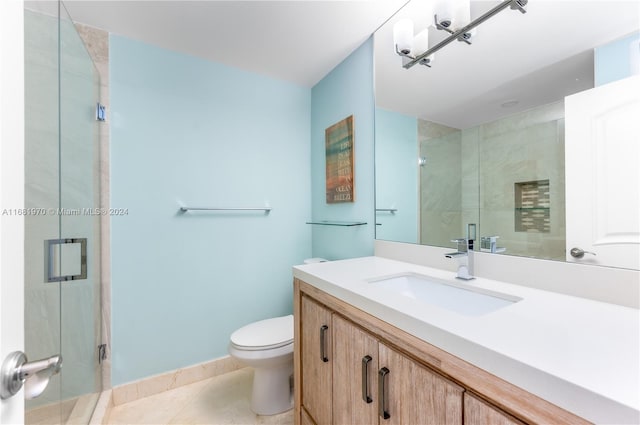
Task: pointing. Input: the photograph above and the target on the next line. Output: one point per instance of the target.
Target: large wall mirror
(480, 136)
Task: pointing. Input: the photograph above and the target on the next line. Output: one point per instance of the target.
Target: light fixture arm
(408, 57)
(462, 37)
(459, 34)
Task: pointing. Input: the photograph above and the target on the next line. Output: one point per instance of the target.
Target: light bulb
(403, 36)
(445, 10)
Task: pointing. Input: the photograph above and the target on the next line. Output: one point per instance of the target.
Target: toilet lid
(265, 334)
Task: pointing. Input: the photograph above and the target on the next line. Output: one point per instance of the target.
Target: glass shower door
(42, 195)
(62, 245)
(79, 222)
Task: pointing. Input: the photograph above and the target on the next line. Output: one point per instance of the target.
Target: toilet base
(271, 389)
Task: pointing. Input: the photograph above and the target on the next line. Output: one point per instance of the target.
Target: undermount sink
(461, 298)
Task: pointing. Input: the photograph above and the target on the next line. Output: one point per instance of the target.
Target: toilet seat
(266, 334)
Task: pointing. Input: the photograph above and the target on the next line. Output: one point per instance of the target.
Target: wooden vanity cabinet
(349, 377)
(353, 368)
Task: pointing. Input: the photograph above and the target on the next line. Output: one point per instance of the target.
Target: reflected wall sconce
(452, 16)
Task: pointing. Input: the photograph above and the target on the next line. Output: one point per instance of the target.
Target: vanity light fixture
(448, 15)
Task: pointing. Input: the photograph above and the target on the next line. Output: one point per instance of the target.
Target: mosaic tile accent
(533, 212)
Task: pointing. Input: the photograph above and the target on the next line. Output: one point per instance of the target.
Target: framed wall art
(339, 161)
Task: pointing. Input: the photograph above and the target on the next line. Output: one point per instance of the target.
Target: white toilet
(267, 346)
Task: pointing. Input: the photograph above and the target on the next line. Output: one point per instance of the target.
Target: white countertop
(579, 354)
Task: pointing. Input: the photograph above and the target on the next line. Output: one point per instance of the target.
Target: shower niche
(532, 211)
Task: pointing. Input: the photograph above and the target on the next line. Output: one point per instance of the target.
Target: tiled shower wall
(97, 43)
(440, 183)
(525, 147)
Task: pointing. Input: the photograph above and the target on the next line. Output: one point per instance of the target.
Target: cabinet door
(315, 331)
(415, 395)
(355, 366)
(477, 412)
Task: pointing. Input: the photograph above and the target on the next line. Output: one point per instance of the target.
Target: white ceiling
(296, 41)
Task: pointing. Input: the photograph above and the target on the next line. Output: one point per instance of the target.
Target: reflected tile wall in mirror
(528, 146)
(440, 183)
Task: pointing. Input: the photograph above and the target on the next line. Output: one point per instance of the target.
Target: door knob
(16, 370)
(579, 253)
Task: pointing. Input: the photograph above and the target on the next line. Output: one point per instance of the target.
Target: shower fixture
(453, 17)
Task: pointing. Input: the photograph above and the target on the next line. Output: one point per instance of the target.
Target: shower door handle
(16, 371)
(53, 246)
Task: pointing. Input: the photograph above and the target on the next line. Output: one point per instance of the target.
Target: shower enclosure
(62, 214)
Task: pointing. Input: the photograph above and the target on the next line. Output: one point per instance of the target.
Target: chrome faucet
(464, 254)
(490, 244)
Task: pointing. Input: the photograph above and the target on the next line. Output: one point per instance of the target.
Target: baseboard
(167, 381)
(51, 413)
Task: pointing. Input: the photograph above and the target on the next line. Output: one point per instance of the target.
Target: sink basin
(461, 298)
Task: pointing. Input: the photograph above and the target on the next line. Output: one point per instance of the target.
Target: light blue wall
(347, 90)
(185, 130)
(613, 61)
(397, 176)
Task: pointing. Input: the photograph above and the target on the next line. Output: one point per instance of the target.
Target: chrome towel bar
(185, 209)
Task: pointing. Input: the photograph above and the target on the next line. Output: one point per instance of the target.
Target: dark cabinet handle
(365, 379)
(323, 343)
(382, 409)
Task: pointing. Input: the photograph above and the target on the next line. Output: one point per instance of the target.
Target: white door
(11, 194)
(602, 161)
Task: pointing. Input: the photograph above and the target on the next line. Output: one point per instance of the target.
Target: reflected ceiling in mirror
(533, 59)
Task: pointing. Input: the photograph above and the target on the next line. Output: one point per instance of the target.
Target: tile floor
(68, 412)
(220, 400)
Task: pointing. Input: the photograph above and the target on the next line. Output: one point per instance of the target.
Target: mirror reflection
(479, 136)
